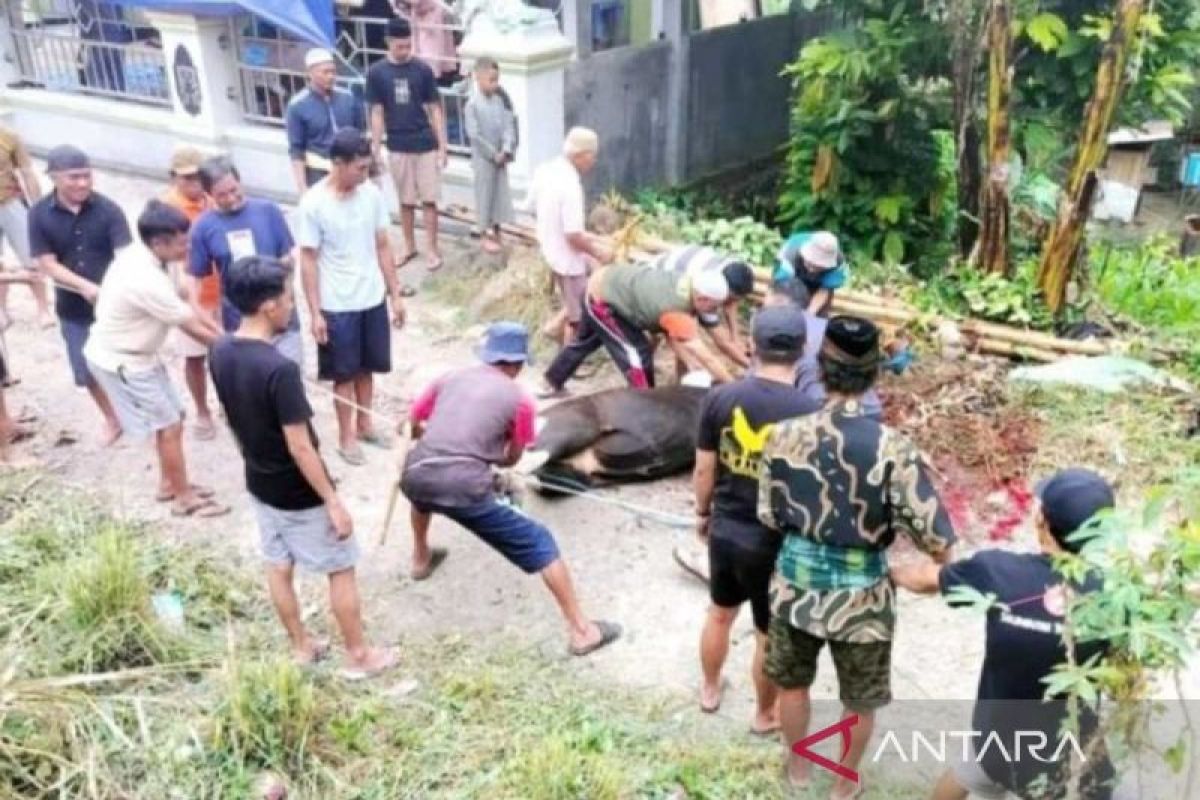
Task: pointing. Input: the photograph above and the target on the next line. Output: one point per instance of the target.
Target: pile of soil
(979, 443)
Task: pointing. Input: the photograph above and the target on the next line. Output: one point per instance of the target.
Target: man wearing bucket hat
(1024, 642)
(837, 485)
(815, 259)
(625, 303)
(315, 114)
(467, 422)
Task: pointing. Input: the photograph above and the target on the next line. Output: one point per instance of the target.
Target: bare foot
(46, 320)
(109, 434)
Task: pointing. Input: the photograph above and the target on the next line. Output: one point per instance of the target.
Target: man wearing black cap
(75, 233)
(1024, 644)
(838, 486)
(734, 422)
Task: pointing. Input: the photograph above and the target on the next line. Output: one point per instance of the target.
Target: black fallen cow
(618, 435)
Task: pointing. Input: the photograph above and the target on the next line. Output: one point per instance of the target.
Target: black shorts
(360, 342)
(738, 573)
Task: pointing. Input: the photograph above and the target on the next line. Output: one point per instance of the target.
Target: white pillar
(532, 71)
(202, 72)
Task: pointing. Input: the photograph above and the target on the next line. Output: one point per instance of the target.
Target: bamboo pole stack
(977, 335)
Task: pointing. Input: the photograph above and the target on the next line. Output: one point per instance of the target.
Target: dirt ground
(622, 565)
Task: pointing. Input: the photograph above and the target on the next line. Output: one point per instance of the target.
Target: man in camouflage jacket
(837, 485)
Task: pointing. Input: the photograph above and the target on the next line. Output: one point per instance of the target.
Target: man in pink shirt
(465, 423)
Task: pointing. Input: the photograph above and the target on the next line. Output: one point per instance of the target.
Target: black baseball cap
(67, 157)
(398, 28)
(854, 337)
(1069, 499)
(779, 330)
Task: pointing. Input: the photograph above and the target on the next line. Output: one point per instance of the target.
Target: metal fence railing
(88, 47)
(271, 67)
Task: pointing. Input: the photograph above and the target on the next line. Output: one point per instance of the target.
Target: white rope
(653, 514)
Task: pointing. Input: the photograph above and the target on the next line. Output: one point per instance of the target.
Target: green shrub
(267, 716)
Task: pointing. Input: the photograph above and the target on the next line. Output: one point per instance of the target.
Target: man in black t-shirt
(403, 98)
(301, 519)
(1023, 646)
(734, 424)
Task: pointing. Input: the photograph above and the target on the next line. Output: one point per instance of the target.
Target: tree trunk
(964, 22)
(994, 216)
(1061, 248)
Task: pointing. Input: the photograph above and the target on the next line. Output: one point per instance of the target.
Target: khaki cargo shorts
(418, 177)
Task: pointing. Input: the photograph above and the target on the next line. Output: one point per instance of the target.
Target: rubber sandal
(354, 457)
(765, 732)
(207, 508)
(714, 709)
(361, 674)
(435, 263)
(609, 633)
(406, 259)
(203, 492)
(436, 556)
(321, 650)
(204, 431)
(375, 439)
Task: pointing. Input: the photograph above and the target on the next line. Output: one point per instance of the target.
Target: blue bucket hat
(505, 342)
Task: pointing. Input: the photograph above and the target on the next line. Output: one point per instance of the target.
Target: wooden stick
(402, 445)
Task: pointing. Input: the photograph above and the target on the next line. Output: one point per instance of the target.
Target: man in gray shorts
(19, 187)
(137, 306)
(301, 518)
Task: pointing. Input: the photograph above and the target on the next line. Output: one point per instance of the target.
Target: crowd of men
(800, 488)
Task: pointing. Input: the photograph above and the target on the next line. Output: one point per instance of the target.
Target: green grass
(216, 710)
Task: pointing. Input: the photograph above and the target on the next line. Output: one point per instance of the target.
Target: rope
(558, 485)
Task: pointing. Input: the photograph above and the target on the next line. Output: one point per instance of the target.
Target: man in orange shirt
(187, 195)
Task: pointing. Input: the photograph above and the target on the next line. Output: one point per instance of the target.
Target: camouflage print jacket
(837, 485)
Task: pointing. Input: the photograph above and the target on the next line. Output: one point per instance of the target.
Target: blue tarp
(308, 20)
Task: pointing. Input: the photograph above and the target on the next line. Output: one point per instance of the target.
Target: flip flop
(320, 652)
(375, 439)
(354, 456)
(361, 674)
(205, 509)
(436, 556)
(408, 291)
(405, 259)
(204, 431)
(435, 263)
(774, 729)
(609, 633)
(203, 492)
(720, 698)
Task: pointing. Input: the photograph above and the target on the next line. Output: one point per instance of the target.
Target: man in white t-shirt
(346, 257)
(557, 198)
(136, 308)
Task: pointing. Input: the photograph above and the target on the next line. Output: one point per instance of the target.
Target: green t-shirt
(642, 294)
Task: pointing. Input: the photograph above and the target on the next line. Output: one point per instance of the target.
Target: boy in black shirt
(300, 516)
(734, 424)
(1024, 644)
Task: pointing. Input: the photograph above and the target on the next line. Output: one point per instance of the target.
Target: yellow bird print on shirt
(742, 444)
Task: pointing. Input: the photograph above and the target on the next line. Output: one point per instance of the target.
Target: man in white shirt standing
(137, 306)
(566, 246)
(346, 259)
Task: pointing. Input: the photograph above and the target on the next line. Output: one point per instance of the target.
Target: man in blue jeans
(467, 422)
